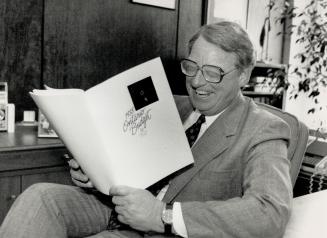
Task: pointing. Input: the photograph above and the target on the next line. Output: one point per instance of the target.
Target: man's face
(212, 98)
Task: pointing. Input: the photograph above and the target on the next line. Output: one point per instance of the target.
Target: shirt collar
(196, 114)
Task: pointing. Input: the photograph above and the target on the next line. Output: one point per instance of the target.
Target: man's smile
(202, 93)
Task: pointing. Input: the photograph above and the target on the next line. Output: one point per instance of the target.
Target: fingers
(121, 214)
(121, 219)
(119, 210)
(89, 184)
(73, 164)
(120, 190)
(119, 201)
(81, 179)
(78, 175)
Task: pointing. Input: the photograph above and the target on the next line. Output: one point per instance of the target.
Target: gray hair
(230, 37)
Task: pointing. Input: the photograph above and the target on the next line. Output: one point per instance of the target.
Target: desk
(308, 217)
(26, 159)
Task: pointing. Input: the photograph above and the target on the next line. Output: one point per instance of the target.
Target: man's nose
(198, 79)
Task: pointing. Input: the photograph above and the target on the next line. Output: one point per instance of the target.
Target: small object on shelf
(28, 119)
(3, 106)
(29, 116)
(44, 127)
(3, 93)
(11, 117)
(3, 117)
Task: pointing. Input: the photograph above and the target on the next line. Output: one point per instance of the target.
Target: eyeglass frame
(201, 69)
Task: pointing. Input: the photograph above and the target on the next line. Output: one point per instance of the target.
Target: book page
(68, 113)
(124, 131)
(146, 139)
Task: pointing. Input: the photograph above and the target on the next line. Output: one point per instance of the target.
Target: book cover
(123, 131)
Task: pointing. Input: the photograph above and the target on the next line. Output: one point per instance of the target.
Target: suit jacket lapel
(213, 142)
(202, 154)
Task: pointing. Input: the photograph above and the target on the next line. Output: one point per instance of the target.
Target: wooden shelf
(25, 138)
(258, 94)
(278, 72)
(262, 69)
(270, 65)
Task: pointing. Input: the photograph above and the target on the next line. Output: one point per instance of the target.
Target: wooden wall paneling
(190, 20)
(88, 41)
(20, 50)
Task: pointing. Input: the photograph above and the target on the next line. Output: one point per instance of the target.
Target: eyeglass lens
(211, 73)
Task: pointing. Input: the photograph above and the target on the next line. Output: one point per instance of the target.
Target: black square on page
(142, 93)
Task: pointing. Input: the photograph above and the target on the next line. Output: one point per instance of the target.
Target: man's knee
(39, 188)
(38, 191)
(33, 198)
(35, 206)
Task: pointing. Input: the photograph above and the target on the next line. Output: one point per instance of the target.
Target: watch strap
(168, 226)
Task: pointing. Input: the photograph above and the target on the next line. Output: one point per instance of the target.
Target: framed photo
(232, 10)
(44, 127)
(170, 4)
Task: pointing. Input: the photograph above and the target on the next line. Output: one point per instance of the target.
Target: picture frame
(169, 4)
(44, 127)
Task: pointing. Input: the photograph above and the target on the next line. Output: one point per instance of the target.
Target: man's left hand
(137, 208)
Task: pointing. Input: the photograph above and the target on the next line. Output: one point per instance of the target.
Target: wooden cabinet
(51, 175)
(26, 159)
(10, 189)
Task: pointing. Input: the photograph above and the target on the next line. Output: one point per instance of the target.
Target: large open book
(123, 131)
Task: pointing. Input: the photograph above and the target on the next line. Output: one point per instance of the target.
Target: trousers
(57, 211)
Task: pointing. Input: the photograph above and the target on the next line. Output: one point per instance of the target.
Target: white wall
(258, 11)
(251, 15)
(233, 10)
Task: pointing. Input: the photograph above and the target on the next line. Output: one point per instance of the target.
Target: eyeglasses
(211, 73)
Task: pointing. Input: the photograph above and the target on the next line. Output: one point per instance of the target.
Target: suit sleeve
(264, 208)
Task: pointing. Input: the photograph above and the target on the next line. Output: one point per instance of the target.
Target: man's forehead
(204, 52)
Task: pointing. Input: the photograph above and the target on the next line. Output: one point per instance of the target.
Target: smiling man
(207, 90)
(239, 185)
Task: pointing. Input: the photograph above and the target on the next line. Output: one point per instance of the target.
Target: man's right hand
(78, 176)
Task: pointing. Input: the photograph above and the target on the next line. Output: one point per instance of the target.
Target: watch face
(167, 216)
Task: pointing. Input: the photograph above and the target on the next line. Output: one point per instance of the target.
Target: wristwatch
(167, 218)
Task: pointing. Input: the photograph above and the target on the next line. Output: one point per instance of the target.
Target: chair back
(298, 141)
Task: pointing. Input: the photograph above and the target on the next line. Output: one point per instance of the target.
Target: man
(239, 185)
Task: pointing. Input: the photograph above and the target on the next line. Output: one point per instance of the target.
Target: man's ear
(244, 77)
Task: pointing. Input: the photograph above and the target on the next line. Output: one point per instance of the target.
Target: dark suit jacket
(239, 185)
